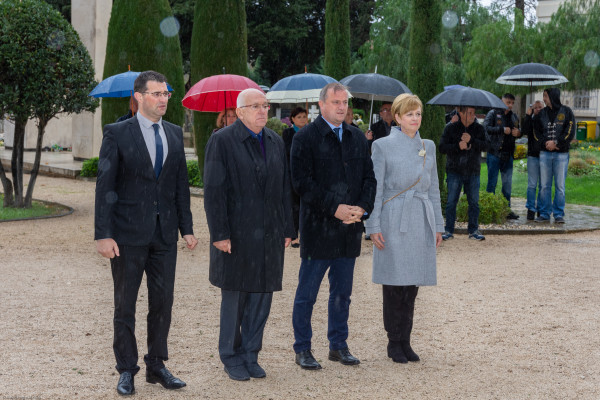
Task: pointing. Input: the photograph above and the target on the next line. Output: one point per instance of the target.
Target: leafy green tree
(284, 37)
(494, 48)
(337, 39)
(148, 43)
(570, 42)
(424, 68)
(183, 11)
(44, 70)
(219, 45)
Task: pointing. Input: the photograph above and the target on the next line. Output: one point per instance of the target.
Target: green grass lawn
(37, 209)
(579, 189)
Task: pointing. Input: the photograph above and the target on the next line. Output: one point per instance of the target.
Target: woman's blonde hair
(405, 103)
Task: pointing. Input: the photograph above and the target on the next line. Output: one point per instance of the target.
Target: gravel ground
(513, 317)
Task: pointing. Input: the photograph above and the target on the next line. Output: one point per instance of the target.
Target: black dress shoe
(530, 215)
(125, 386)
(343, 356)
(165, 378)
(306, 360)
(512, 215)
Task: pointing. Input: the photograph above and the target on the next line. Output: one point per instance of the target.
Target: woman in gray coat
(406, 224)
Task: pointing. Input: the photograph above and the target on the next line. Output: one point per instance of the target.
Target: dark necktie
(337, 133)
(158, 162)
(262, 145)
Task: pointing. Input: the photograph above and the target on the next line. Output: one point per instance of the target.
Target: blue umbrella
(120, 85)
(298, 88)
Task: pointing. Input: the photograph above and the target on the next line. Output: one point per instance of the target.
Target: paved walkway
(578, 218)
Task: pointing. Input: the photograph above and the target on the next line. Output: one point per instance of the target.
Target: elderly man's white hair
(241, 100)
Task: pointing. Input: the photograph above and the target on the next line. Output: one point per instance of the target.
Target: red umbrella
(216, 93)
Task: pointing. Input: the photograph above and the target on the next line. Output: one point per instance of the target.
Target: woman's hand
(438, 239)
(378, 241)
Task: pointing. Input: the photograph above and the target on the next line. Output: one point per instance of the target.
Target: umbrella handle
(371, 112)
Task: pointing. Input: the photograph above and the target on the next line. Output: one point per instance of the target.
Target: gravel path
(513, 317)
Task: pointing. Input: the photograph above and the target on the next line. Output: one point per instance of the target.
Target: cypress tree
(143, 34)
(425, 69)
(219, 45)
(337, 38)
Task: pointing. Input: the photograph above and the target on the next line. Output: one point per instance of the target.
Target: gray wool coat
(410, 221)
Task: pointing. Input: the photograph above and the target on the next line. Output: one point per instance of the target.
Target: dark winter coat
(463, 162)
(379, 130)
(556, 123)
(327, 173)
(247, 200)
(500, 144)
(534, 137)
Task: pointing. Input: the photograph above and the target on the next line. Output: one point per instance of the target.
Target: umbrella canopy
(298, 88)
(374, 86)
(467, 96)
(264, 88)
(120, 85)
(531, 74)
(216, 93)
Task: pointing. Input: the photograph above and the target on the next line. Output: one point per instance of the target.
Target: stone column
(90, 19)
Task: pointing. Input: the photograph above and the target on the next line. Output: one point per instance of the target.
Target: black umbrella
(374, 87)
(467, 97)
(531, 74)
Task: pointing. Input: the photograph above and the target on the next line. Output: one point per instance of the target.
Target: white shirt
(148, 133)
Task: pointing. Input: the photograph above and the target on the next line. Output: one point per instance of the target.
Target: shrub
(363, 127)
(89, 168)
(520, 151)
(276, 125)
(579, 167)
(194, 177)
(493, 208)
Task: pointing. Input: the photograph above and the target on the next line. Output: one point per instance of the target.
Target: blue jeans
(553, 166)
(505, 167)
(471, 184)
(341, 273)
(533, 184)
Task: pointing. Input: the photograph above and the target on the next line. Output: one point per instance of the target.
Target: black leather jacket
(494, 124)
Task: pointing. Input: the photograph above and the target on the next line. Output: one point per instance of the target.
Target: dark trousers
(243, 319)
(398, 311)
(341, 272)
(471, 187)
(157, 260)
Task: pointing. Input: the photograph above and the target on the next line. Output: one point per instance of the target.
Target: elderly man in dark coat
(247, 199)
(333, 174)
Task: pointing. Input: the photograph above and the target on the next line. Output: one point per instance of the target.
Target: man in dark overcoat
(333, 174)
(142, 201)
(247, 199)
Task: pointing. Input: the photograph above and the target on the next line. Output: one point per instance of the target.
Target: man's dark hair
(385, 103)
(464, 108)
(509, 96)
(140, 82)
(296, 111)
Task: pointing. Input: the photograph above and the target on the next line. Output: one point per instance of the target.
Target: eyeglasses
(156, 95)
(385, 110)
(256, 107)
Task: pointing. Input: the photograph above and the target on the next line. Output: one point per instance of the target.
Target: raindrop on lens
(111, 197)
(56, 40)
(169, 26)
(591, 59)
(434, 48)
(449, 19)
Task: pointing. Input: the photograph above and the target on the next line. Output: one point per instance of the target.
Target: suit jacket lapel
(171, 141)
(138, 139)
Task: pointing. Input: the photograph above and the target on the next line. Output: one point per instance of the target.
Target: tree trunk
(16, 162)
(36, 164)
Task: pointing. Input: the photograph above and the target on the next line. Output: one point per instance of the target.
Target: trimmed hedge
(89, 168)
(493, 208)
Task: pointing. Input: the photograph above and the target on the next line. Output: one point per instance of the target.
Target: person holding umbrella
(225, 118)
(462, 142)
(502, 128)
(406, 224)
(382, 127)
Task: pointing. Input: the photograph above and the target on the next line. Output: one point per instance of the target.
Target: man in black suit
(247, 198)
(332, 172)
(142, 200)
